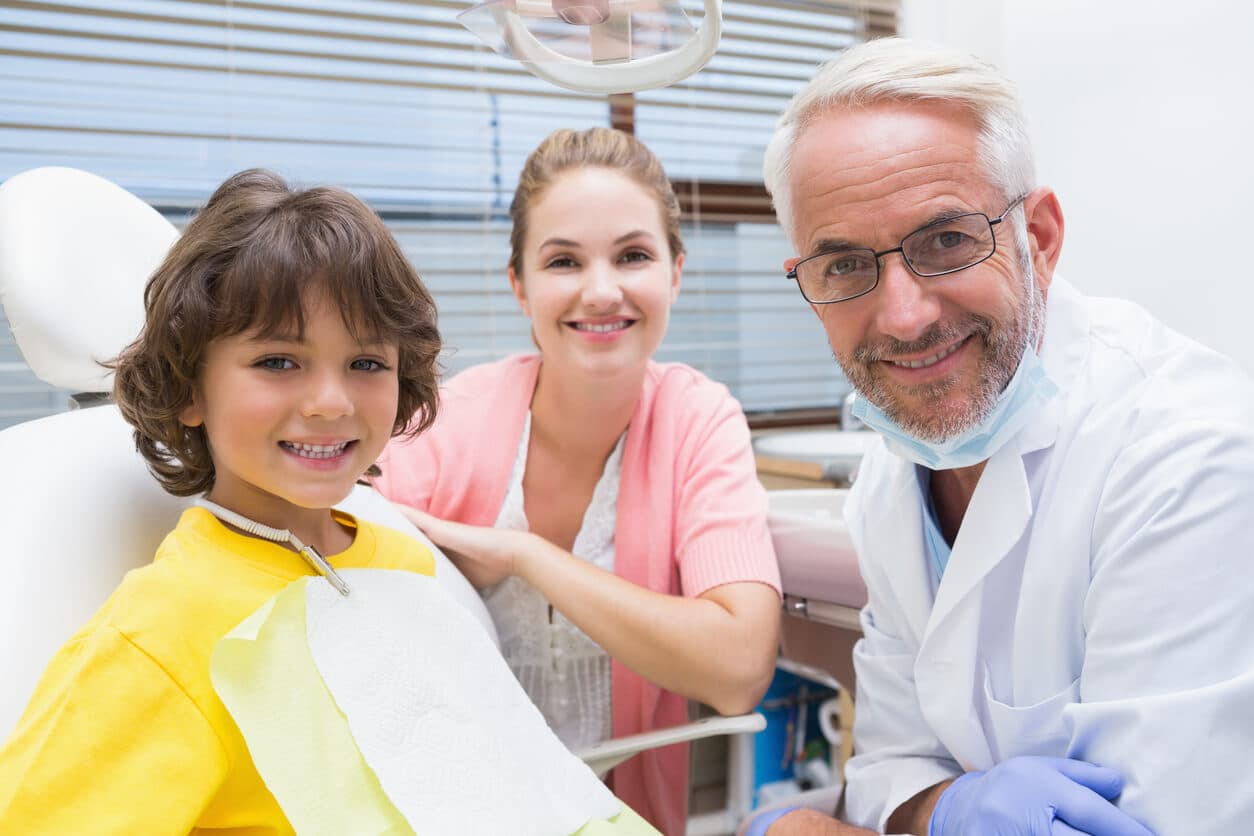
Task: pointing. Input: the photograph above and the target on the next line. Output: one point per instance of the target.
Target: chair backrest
(77, 505)
(75, 252)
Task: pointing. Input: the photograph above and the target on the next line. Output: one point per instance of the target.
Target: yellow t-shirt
(124, 733)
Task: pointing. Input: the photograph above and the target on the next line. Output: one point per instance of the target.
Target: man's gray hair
(901, 70)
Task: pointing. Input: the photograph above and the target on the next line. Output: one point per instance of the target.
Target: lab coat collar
(995, 521)
(895, 519)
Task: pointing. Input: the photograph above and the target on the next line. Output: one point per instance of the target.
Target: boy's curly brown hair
(248, 261)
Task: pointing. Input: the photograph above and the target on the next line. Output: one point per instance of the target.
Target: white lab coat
(1099, 600)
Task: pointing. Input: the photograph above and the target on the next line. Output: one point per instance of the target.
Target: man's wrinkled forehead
(884, 171)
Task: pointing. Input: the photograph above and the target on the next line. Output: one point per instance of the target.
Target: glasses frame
(992, 229)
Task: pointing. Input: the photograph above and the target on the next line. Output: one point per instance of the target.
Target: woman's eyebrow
(566, 242)
(558, 242)
(635, 233)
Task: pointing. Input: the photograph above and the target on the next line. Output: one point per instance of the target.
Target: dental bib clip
(310, 555)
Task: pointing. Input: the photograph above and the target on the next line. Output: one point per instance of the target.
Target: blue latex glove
(1034, 796)
(762, 821)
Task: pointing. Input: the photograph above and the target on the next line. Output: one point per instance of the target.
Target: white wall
(1141, 113)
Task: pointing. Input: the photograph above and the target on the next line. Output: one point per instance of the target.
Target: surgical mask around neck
(1027, 391)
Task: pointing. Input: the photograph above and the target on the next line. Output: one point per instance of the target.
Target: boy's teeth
(315, 451)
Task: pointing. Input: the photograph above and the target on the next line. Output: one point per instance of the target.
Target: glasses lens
(831, 277)
(948, 246)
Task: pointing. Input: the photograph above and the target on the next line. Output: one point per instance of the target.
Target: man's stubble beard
(939, 420)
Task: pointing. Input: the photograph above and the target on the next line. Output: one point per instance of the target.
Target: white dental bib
(402, 674)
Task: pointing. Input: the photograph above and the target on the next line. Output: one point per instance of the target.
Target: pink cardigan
(691, 516)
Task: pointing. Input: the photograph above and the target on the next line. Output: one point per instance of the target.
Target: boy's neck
(325, 534)
(317, 527)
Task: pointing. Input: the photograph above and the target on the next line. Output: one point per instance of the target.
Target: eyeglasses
(942, 247)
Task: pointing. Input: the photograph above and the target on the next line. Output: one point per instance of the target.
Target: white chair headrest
(75, 253)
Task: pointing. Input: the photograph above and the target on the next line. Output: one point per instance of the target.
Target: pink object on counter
(816, 557)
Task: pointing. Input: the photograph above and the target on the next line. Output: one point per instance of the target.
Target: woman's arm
(718, 648)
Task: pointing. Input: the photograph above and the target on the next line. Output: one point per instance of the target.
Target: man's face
(932, 353)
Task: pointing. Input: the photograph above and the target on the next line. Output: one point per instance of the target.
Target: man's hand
(1035, 796)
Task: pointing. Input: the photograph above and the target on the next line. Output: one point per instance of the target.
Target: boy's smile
(324, 455)
(294, 420)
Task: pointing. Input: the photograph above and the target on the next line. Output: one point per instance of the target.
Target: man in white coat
(1057, 534)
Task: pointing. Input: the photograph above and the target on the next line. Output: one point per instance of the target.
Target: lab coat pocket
(1042, 728)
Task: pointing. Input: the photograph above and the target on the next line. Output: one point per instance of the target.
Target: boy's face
(292, 423)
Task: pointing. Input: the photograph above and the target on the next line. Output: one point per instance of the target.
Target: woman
(606, 505)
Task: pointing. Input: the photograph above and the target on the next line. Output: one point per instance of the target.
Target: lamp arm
(643, 74)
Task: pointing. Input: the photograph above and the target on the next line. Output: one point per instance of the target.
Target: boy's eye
(365, 364)
(275, 363)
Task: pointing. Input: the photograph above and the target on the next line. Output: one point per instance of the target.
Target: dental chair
(77, 504)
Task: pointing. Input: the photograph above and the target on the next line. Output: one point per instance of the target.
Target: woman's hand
(679, 643)
(486, 556)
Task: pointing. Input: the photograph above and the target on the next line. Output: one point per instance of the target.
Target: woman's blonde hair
(566, 149)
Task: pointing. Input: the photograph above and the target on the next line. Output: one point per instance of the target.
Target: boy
(286, 340)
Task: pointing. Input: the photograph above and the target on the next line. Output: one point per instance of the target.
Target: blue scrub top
(938, 550)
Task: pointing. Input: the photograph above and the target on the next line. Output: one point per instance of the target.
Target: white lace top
(566, 674)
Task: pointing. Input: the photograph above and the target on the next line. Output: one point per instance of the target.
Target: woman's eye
(365, 364)
(637, 256)
(562, 262)
(275, 364)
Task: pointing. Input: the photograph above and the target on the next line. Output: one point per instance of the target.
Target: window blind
(397, 102)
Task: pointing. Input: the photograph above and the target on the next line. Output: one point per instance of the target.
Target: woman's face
(598, 274)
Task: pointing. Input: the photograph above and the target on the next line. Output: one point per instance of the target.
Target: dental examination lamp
(599, 46)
